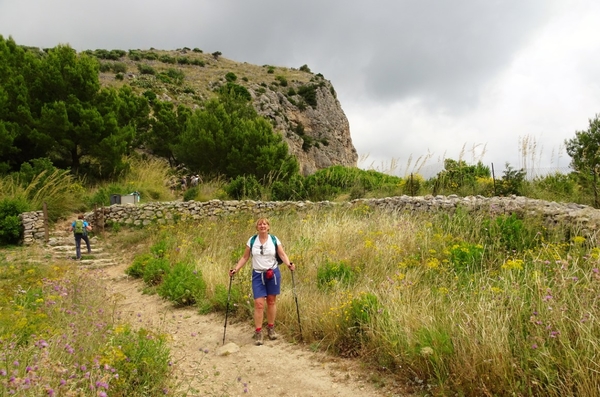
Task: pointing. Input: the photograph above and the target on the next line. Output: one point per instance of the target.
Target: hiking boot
(258, 338)
(272, 334)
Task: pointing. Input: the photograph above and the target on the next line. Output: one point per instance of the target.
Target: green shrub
(155, 271)
(183, 285)
(511, 233)
(329, 182)
(191, 193)
(105, 67)
(11, 229)
(282, 81)
(307, 142)
(466, 256)
(556, 187)
(244, 187)
(167, 59)
(145, 363)
(149, 55)
(512, 181)
(235, 90)
(305, 68)
(356, 320)
(221, 295)
(119, 67)
(146, 69)
(159, 249)
(138, 267)
(230, 77)
(309, 94)
(177, 75)
(150, 95)
(134, 55)
(119, 76)
(330, 275)
(292, 189)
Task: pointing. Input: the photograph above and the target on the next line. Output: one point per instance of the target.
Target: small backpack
(274, 239)
(78, 229)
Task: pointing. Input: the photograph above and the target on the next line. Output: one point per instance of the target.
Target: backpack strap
(277, 257)
(274, 239)
(252, 240)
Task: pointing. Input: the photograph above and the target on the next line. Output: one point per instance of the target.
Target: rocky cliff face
(312, 122)
(302, 106)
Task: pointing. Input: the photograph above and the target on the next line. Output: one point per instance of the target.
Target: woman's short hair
(259, 220)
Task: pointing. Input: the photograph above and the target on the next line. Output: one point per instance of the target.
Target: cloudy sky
(419, 80)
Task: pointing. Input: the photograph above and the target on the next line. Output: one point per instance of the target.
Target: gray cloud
(414, 76)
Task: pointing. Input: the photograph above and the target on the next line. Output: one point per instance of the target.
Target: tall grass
(462, 304)
(58, 189)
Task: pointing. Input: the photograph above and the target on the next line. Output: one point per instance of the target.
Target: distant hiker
(80, 227)
(194, 181)
(183, 183)
(267, 252)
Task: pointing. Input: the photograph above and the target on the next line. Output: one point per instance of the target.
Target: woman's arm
(285, 258)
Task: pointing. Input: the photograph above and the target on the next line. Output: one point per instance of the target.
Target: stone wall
(34, 226)
(585, 217)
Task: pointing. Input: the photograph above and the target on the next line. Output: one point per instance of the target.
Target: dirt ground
(205, 366)
(277, 368)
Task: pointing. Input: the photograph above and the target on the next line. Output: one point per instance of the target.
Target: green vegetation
(60, 337)
(309, 94)
(465, 302)
(584, 150)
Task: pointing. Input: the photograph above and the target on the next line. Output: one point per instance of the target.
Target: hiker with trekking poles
(267, 253)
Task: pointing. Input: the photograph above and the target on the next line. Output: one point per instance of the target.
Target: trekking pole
(227, 309)
(297, 308)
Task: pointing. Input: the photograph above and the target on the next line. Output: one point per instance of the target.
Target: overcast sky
(416, 78)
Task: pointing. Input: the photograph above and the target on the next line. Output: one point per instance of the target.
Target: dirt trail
(278, 368)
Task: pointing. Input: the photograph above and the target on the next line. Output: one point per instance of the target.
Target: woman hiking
(267, 252)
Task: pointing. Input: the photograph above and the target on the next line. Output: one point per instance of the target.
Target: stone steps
(61, 246)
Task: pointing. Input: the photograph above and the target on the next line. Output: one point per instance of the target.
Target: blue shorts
(262, 287)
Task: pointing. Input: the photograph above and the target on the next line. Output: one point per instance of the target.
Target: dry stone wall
(585, 217)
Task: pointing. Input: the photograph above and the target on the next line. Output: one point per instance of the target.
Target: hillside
(302, 106)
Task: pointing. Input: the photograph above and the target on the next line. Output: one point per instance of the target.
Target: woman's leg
(271, 309)
(259, 308)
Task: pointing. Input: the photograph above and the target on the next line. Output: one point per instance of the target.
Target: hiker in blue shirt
(267, 252)
(80, 227)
